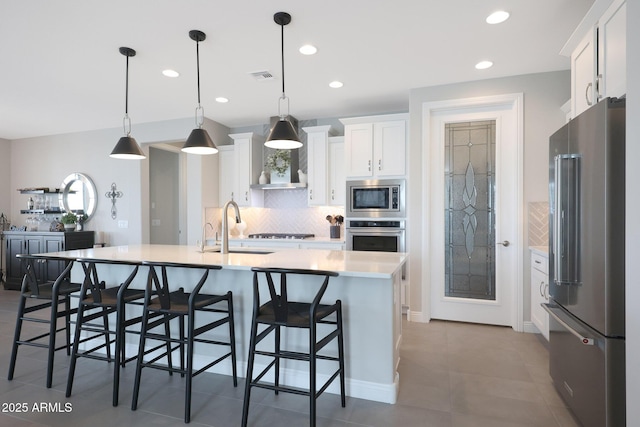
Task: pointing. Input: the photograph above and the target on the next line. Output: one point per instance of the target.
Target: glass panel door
(469, 210)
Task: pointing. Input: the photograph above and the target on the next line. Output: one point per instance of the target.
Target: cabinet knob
(369, 164)
(379, 164)
(333, 194)
(310, 194)
(246, 196)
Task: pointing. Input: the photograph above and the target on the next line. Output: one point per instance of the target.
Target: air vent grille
(262, 75)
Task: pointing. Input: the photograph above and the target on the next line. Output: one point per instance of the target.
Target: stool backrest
(161, 288)
(92, 283)
(30, 282)
(278, 289)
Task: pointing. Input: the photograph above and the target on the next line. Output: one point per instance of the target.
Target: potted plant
(69, 220)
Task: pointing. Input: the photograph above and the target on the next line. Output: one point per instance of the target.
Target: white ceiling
(62, 72)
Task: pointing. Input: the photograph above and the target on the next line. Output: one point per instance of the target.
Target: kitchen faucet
(202, 242)
(224, 248)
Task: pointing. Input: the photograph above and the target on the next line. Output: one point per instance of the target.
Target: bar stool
(98, 301)
(160, 299)
(54, 293)
(279, 312)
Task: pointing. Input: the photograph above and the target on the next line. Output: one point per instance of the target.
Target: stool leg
(181, 320)
(119, 353)
(53, 325)
(232, 337)
(16, 336)
(143, 337)
(341, 353)
(312, 374)
(187, 396)
(67, 322)
(74, 351)
(167, 332)
(249, 378)
(277, 351)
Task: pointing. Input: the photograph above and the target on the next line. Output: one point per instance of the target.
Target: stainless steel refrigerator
(586, 263)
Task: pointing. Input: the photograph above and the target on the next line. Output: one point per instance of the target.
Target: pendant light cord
(126, 91)
(282, 56)
(198, 68)
(126, 121)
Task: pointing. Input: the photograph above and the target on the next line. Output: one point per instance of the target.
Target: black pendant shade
(199, 141)
(127, 147)
(283, 135)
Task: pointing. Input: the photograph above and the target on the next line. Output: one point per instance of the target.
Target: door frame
(431, 155)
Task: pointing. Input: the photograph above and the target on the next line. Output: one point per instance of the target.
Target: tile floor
(451, 375)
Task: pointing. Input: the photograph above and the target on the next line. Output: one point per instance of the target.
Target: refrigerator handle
(566, 220)
(583, 339)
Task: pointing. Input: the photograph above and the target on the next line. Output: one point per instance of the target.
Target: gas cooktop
(280, 236)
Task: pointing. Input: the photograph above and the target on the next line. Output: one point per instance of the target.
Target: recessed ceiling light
(336, 84)
(222, 99)
(308, 49)
(497, 17)
(483, 65)
(170, 73)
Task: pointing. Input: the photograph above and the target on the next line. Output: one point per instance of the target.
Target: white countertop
(347, 263)
(540, 250)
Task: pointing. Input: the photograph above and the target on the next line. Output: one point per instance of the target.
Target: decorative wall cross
(113, 195)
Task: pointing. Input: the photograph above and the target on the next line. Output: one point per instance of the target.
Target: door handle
(504, 243)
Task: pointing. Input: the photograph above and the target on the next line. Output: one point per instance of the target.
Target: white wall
(46, 161)
(544, 94)
(633, 207)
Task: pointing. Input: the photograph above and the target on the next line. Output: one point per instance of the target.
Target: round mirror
(78, 195)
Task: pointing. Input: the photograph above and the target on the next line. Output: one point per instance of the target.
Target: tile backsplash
(284, 211)
(538, 224)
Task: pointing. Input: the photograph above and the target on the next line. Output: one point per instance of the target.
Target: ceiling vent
(262, 76)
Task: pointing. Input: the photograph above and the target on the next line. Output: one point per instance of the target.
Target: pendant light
(199, 141)
(283, 136)
(127, 147)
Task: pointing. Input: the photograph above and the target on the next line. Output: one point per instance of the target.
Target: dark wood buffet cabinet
(34, 242)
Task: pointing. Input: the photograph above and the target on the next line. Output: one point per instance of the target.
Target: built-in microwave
(376, 198)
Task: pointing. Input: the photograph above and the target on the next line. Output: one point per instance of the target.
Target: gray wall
(544, 94)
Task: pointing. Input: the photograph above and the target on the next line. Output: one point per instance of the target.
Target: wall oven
(376, 198)
(375, 235)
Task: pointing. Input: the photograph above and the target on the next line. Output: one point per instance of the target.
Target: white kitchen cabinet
(539, 291)
(375, 146)
(247, 163)
(612, 46)
(337, 179)
(598, 58)
(226, 180)
(317, 164)
(325, 167)
(583, 71)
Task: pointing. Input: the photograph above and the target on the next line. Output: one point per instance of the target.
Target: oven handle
(375, 230)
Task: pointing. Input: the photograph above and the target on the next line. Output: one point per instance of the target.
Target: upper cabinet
(239, 168)
(227, 179)
(598, 56)
(337, 179)
(612, 47)
(375, 146)
(325, 167)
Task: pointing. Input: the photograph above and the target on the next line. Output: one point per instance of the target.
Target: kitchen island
(368, 286)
